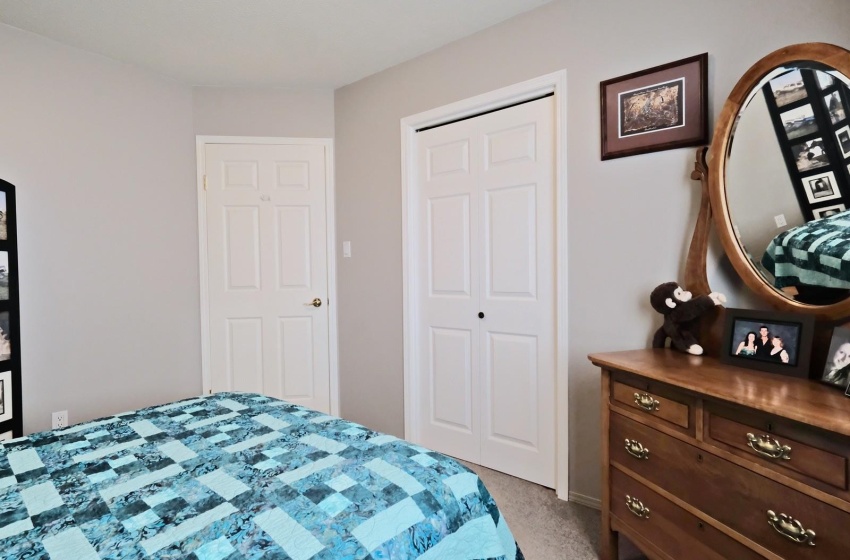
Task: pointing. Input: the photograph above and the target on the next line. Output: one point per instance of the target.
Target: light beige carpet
(545, 527)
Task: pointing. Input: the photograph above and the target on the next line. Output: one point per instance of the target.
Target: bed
(239, 476)
(814, 254)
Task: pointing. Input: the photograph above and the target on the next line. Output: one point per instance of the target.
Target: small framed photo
(810, 155)
(5, 337)
(788, 88)
(821, 187)
(824, 80)
(827, 211)
(5, 396)
(660, 108)
(4, 276)
(6, 436)
(3, 235)
(799, 122)
(843, 135)
(768, 341)
(835, 107)
(836, 371)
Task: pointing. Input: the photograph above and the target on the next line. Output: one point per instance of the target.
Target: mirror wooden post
(696, 279)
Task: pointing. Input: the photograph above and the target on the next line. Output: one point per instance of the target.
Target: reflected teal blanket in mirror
(814, 254)
(239, 476)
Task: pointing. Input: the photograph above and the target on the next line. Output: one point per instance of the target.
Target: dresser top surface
(802, 400)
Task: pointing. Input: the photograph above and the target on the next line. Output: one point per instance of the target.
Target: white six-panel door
(485, 290)
(267, 261)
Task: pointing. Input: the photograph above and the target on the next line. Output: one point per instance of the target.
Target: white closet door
(267, 255)
(447, 286)
(486, 243)
(517, 294)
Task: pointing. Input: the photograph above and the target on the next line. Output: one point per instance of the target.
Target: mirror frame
(824, 53)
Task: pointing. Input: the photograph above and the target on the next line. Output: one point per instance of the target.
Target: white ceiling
(284, 43)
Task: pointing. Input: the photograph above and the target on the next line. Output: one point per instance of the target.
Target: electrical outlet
(780, 220)
(60, 419)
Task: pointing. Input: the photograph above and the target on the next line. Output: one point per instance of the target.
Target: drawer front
(781, 447)
(672, 529)
(747, 502)
(654, 400)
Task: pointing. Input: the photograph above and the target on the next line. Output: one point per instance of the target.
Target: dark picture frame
(809, 111)
(660, 108)
(795, 332)
(10, 315)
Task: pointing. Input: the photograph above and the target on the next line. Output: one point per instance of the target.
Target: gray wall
(102, 155)
(758, 186)
(263, 112)
(630, 219)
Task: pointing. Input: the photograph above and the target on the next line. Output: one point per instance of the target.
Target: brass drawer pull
(636, 449)
(637, 507)
(790, 528)
(646, 402)
(769, 447)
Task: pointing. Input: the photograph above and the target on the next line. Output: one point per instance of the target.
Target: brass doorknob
(315, 303)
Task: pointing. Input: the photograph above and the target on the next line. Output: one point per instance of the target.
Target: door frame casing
(555, 83)
(330, 227)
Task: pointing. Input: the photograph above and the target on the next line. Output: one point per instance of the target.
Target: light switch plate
(780, 220)
(346, 249)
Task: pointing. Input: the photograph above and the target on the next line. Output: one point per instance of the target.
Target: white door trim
(333, 345)
(556, 83)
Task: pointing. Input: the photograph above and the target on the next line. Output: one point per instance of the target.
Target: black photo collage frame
(809, 116)
(11, 418)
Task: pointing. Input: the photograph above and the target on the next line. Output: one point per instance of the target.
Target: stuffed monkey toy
(680, 310)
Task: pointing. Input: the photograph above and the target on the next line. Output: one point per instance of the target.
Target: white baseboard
(583, 500)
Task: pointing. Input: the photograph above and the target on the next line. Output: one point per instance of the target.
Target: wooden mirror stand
(710, 170)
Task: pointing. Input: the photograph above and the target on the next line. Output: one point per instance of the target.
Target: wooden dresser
(701, 460)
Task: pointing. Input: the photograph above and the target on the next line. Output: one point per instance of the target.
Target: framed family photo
(768, 341)
(836, 371)
(660, 108)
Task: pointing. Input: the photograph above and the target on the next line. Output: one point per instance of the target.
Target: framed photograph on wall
(6, 393)
(660, 108)
(820, 187)
(799, 121)
(835, 107)
(810, 155)
(828, 211)
(768, 341)
(788, 88)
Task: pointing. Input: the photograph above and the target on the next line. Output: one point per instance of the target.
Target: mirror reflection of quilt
(239, 476)
(814, 254)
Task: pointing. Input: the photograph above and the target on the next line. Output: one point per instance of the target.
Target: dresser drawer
(673, 530)
(745, 501)
(675, 409)
(797, 451)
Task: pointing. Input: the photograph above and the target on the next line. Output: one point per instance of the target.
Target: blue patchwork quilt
(814, 254)
(239, 476)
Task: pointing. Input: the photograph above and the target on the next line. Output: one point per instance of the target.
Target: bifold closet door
(485, 294)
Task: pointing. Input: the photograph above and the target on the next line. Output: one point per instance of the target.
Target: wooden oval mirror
(779, 179)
